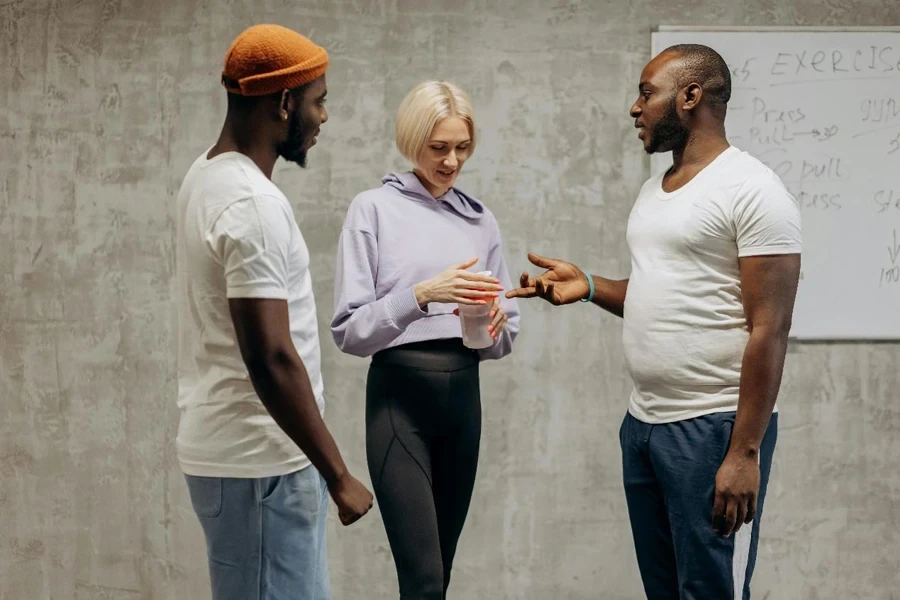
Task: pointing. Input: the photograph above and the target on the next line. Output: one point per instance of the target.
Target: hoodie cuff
(403, 308)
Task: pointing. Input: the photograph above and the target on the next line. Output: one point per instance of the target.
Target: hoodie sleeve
(363, 324)
(497, 265)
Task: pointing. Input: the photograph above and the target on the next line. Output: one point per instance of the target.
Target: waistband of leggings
(431, 355)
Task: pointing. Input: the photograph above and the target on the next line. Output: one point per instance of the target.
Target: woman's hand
(456, 284)
(498, 319)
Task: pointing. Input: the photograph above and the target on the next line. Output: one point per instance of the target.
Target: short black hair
(701, 64)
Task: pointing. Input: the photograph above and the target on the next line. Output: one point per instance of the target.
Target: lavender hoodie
(396, 236)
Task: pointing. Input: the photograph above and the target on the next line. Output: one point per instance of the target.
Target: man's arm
(769, 287)
(564, 283)
(609, 294)
(282, 383)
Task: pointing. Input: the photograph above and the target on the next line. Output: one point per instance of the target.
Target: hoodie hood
(409, 185)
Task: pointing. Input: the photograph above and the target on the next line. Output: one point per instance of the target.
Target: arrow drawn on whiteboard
(894, 250)
(821, 134)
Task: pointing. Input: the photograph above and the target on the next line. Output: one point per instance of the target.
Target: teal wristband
(590, 296)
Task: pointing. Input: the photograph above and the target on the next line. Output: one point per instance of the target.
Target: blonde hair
(425, 105)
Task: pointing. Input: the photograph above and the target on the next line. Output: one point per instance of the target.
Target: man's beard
(292, 149)
(669, 133)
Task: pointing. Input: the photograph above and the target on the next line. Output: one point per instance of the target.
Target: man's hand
(737, 488)
(352, 498)
(562, 283)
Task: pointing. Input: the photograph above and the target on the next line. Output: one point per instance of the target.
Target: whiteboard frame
(789, 28)
(776, 28)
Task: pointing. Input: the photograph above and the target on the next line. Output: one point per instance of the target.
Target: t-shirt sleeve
(767, 218)
(252, 239)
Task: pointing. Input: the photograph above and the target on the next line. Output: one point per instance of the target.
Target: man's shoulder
(231, 176)
(738, 176)
(246, 180)
(748, 171)
(227, 183)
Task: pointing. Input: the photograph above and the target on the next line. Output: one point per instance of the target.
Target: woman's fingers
(465, 265)
(470, 301)
(470, 276)
(496, 330)
(477, 285)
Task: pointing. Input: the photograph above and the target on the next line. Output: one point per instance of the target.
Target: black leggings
(423, 427)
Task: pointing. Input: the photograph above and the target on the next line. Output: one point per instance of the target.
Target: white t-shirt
(685, 330)
(237, 238)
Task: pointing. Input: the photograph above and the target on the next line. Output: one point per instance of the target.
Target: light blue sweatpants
(265, 537)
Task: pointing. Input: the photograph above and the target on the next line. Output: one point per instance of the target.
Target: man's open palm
(561, 283)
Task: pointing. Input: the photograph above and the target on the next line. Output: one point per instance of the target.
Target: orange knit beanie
(265, 59)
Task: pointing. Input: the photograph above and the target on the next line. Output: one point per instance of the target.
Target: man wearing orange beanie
(257, 456)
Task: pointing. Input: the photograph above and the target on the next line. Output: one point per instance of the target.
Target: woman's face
(443, 156)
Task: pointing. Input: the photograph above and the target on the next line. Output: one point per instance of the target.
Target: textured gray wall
(105, 104)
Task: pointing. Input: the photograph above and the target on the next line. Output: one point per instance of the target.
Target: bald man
(258, 458)
(715, 244)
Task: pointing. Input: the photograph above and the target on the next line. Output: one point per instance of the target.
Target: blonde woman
(409, 252)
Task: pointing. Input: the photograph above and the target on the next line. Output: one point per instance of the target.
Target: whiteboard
(822, 109)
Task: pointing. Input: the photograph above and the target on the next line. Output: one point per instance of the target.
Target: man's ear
(285, 105)
(693, 93)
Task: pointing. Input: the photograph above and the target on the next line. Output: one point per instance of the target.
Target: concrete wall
(104, 106)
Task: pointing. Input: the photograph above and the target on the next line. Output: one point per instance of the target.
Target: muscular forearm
(761, 373)
(609, 294)
(282, 384)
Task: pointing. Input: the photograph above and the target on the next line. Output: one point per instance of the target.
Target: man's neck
(240, 136)
(702, 147)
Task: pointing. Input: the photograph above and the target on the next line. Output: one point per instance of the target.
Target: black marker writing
(821, 134)
(874, 59)
(894, 249)
(887, 199)
(742, 73)
(762, 112)
(891, 274)
(830, 169)
(778, 135)
(879, 110)
(819, 201)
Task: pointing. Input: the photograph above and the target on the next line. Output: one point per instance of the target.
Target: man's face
(303, 125)
(655, 112)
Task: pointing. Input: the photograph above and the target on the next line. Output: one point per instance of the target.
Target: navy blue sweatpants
(669, 472)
